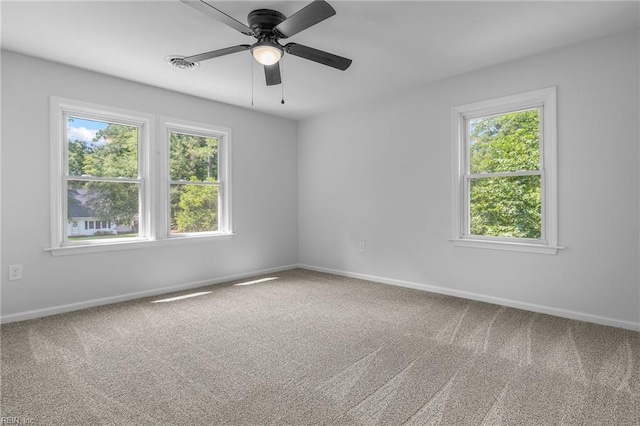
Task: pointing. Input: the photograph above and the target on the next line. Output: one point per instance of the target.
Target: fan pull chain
(282, 79)
(251, 59)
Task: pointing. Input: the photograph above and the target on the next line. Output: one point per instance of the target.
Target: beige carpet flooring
(310, 348)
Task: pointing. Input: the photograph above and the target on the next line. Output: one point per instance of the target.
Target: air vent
(180, 63)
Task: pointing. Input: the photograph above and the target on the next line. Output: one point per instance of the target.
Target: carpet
(308, 348)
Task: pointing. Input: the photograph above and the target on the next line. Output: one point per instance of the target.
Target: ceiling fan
(268, 27)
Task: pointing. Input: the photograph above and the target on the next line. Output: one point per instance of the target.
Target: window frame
(223, 136)
(545, 101)
(153, 174)
(61, 110)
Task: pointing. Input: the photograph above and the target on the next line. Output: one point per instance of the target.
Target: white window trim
(153, 214)
(223, 135)
(546, 100)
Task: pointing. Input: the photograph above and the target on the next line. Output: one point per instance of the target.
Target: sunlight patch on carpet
(262, 280)
(186, 296)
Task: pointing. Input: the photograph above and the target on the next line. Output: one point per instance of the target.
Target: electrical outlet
(361, 247)
(15, 272)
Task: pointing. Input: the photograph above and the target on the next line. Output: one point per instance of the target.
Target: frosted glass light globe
(266, 54)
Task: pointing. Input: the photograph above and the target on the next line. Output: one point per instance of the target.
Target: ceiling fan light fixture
(267, 53)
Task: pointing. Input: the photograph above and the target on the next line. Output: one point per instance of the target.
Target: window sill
(506, 246)
(137, 244)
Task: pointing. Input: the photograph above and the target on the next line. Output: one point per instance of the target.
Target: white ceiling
(395, 45)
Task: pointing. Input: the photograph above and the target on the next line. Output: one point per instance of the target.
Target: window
(505, 174)
(198, 199)
(104, 175)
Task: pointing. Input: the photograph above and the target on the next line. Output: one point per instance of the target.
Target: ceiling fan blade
(306, 17)
(208, 9)
(318, 56)
(272, 74)
(216, 53)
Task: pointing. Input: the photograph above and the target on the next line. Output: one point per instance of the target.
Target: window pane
(102, 149)
(193, 157)
(194, 208)
(92, 204)
(505, 143)
(506, 207)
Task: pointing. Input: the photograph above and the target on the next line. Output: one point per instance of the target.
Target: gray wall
(378, 173)
(264, 193)
(382, 174)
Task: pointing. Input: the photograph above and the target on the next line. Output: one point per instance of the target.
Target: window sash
(197, 134)
(467, 117)
(467, 206)
(219, 219)
(125, 181)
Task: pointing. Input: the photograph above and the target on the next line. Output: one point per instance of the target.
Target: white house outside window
(505, 173)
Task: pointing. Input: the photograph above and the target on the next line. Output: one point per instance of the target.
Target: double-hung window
(198, 179)
(505, 173)
(118, 180)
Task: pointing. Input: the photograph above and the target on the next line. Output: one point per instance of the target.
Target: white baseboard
(21, 316)
(630, 325)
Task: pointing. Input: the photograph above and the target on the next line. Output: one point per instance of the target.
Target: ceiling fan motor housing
(262, 22)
